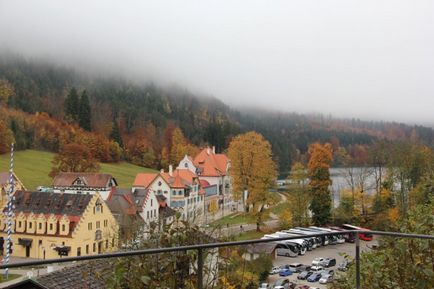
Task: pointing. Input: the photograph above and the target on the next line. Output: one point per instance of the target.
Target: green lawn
(250, 235)
(10, 277)
(33, 167)
(279, 208)
(234, 219)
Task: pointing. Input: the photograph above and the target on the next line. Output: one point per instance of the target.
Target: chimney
(208, 150)
(162, 171)
(170, 170)
(213, 149)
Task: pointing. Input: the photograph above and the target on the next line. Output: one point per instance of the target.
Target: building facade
(52, 225)
(84, 183)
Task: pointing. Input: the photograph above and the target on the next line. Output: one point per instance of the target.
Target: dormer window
(98, 207)
(159, 183)
(185, 165)
(79, 182)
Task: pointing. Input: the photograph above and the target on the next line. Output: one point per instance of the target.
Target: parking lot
(331, 251)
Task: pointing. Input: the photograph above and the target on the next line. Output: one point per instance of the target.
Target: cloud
(366, 59)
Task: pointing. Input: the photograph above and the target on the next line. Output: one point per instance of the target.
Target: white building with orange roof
(180, 188)
(214, 169)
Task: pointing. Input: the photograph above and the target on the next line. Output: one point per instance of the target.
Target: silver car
(326, 279)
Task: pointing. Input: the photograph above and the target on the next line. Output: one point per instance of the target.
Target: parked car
(285, 272)
(295, 267)
(328, 262)
(314, 277)
(275, 270)
(303, 268)
(264, 286)
(326, 278)
(282, 284)
(304, 275)
(316, 268)
(343, 266)
(317, 261)
(327, 272)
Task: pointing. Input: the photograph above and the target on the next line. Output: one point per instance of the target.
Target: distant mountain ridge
(42, 87)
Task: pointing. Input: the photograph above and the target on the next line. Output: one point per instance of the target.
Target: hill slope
(32, 167)
(148, 109)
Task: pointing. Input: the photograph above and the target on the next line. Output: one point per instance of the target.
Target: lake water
(339, 181)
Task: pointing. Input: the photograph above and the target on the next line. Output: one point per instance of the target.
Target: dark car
(303, 268)
(314, 277)
(282, 284)
(304, 275)
(296, 267)
(328, 262)
(302, 287)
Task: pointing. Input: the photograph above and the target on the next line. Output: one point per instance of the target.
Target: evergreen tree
(84, 112)
(116, 134)
(72, 105)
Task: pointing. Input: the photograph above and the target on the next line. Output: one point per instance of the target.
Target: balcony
(198, 273)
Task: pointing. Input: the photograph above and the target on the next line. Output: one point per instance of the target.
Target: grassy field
(33, 167)
(10, 277)
(234, 219)
(250, 235)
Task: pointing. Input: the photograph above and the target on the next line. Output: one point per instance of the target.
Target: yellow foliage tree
(213, 207)
(180, 147)
(252, 170)
(6, 91)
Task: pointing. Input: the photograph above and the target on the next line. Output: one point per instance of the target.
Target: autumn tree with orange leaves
(252, 170)
(74, 158)
(318, 169)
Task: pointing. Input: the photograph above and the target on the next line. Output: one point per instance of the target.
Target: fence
(201, 247)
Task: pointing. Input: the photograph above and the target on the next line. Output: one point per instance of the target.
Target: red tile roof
(93, 180)
(144, 179)
(211, 164)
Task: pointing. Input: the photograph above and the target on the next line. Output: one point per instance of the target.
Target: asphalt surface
(331, 251)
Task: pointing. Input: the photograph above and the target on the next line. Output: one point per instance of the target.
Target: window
(40, 226)
(173, 193)
(97, 224)
(185, 165)
(159, 183)
(151, 202)
(105, 223)
(113, 242)
(40, 243)
(89, 226)
(165, 192)
(51, 227)
(94, 247)
(87, 249)
(19, 224)
(78, 251)
(180, 192)
(30, 225)
(106, 244)
(155, 212)
(147, 215)
(63, 228)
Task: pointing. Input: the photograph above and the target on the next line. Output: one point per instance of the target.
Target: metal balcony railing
(201, 247)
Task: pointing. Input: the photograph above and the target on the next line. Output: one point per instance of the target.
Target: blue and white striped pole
(9, 211)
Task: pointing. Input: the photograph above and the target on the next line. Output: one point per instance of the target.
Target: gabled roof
(144, 179)
(92, 180)
(122, 202)
(211, 164)
(180, 178)
(51, 203)
(4, 179)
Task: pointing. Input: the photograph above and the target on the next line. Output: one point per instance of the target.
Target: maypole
(9, 210)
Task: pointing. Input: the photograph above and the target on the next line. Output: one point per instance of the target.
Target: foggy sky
(370, 59)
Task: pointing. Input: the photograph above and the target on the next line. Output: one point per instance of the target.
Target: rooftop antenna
(9, 211)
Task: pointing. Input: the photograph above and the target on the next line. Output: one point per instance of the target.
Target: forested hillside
(142, 118)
